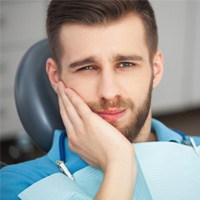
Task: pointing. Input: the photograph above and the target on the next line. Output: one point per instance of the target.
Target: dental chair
(35, 100)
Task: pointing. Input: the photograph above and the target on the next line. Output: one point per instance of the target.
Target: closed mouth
(111, 115)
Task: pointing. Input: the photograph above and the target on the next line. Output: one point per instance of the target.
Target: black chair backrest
(35, 99)
(2, 164)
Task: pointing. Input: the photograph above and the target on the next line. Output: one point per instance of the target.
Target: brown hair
(94, 12)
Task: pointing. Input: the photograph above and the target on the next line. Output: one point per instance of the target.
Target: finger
(67, 123)
(82, 108)
(69, 107)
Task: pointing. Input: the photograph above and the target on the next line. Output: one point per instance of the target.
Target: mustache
(108, 104)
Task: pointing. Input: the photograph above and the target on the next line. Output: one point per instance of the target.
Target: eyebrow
(116, 58)
(129, 57)
(84, 61)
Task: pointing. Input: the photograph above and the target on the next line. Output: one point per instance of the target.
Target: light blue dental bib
(165, 171)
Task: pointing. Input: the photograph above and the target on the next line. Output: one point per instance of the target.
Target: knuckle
(71, 146)
(74, 145)
(71, 138)
(71, 143)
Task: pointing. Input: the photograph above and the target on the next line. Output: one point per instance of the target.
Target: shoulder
(18, 177)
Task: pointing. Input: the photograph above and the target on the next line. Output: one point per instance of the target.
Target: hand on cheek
(94, 139)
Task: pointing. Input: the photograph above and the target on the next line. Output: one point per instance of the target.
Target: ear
(52, 72)
(158, 68)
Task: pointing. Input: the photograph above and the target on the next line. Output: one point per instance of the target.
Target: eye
(86, 68)
(126, 64)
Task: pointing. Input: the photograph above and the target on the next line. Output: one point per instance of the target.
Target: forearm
(119, 181)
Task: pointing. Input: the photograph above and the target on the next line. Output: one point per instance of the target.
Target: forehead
(123, 36)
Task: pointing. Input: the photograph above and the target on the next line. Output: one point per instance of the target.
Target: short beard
(132, 130)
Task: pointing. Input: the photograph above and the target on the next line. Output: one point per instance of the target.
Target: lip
(111, 115)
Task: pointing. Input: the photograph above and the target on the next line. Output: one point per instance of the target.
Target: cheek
(136, 88)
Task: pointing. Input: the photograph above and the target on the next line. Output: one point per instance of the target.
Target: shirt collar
(164, 134)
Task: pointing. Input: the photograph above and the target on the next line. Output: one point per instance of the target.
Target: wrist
(120, 173)
(122, 159)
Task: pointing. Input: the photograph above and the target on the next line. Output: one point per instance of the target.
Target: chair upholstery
(35, 100)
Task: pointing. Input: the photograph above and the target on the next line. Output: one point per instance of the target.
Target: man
(104, 67)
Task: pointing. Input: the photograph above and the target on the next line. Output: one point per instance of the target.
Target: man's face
(108, 66)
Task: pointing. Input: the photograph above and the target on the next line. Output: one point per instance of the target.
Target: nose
(108, 86)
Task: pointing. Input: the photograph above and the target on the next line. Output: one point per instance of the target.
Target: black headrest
(35, 99)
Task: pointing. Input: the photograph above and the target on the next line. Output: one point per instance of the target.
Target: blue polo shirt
(16, 178)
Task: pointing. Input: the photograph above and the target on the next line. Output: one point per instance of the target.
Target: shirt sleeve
(11, 184)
